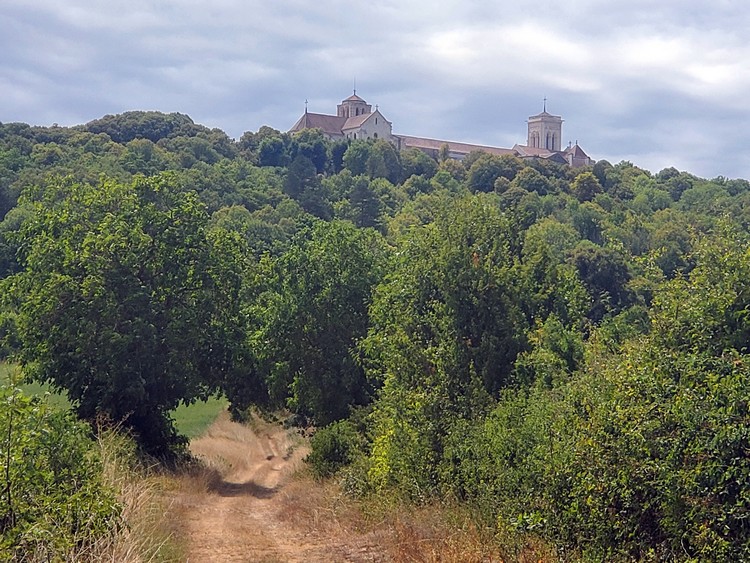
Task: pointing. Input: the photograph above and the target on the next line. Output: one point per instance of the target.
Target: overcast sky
(657, 82)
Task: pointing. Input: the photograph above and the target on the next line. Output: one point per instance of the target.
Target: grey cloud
(660, 83)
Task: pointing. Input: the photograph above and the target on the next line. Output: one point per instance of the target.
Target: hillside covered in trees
(563, 350)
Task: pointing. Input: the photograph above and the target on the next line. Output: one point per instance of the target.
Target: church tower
(545, 131)
(353, 106)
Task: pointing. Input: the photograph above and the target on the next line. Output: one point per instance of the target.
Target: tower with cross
(544, 130)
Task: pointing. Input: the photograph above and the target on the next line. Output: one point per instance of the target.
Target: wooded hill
(565, 350)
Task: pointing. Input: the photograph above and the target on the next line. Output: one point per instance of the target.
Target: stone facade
(545, 131)
(355, 119)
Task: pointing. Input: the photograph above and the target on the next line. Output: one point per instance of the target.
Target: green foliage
(447, 326)
(311, 144)
(151, 125)
(334, 447)
(375, 159)
(310, 311)
(552, 285)
(279, 149)
(708, 311)
(585, 186)
(127, 301)
(565, 352)
(484, 171)
(641, 454)
(52, 500)
(415, 162)
(605, 274)
(531, 181)
(557, 353)
(144, 157)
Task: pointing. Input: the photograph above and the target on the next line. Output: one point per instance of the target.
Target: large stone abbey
(355, 119)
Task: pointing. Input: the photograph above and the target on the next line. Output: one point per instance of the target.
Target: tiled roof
(354, 98)
(545, 114)
(576, 151)
(525, 150)
(460, 148)
(330, 124)
(355, 121)
(536, 152)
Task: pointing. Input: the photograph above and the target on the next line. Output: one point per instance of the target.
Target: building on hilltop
(355, 119)
(545, 130)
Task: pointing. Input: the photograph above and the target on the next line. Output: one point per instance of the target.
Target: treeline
(563, 349)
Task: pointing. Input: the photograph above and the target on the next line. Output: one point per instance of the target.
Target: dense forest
(563, 350)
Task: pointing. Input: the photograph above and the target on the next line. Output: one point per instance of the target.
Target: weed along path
(246, 507)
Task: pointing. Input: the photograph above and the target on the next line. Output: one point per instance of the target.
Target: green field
(10, 373)
(190, 421)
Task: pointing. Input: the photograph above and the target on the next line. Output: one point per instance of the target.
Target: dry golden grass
(145, 534)
(389, 530)
(378, 528)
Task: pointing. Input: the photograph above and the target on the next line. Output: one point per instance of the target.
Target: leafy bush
(334, 447)
(52, 500)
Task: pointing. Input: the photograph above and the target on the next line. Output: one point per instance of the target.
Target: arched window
(375, 135)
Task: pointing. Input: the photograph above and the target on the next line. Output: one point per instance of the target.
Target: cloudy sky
(657, 82)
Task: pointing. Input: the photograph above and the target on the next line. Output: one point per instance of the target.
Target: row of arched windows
(550, 142)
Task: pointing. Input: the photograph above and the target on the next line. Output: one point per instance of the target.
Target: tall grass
(383, 527)
(145, 534)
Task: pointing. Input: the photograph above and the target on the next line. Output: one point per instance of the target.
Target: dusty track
(238, 509)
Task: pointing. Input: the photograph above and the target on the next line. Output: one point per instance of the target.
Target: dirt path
(242, 509)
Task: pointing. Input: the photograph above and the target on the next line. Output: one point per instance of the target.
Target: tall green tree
(127, 301)
(447, 325)
(311, 316)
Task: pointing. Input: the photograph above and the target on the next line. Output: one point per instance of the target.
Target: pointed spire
(305, 105)
(545, 103)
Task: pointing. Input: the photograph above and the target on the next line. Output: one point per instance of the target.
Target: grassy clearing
(193, 420)
(11, 374)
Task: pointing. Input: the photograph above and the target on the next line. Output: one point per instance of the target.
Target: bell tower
(353, 106)
(545, 131)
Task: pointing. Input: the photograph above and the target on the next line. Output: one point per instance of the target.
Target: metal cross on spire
(545, 103)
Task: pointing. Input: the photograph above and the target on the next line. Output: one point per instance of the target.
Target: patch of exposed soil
(239, 508)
